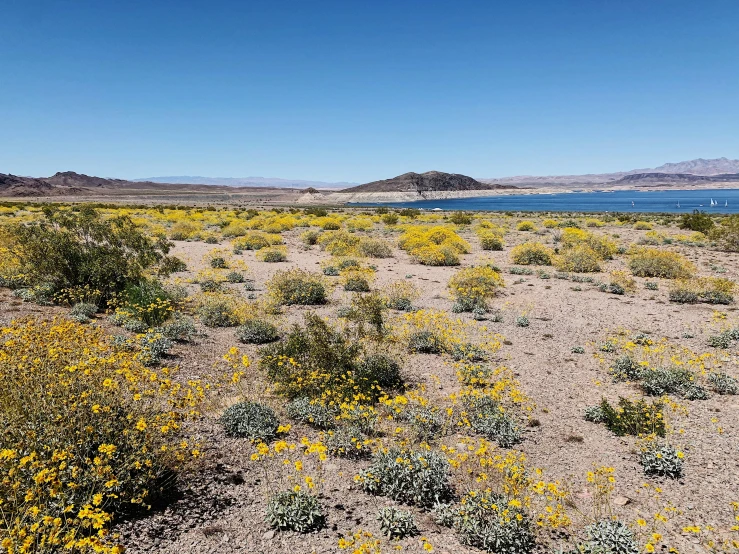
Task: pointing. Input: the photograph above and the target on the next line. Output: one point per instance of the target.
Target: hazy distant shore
(381, 197)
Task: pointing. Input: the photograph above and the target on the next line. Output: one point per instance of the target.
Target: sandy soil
(222, 504)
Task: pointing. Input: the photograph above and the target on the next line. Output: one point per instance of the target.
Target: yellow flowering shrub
(525, 226)
(183, 230)
(603, 247)
(434, 246)
(578, 259)
(88, 433)
(653, 262)
(532, 253)
(489, 239)
(472, 286)
(256, 240)
(339, 243)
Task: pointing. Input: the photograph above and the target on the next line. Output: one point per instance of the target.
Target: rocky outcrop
(421, 183)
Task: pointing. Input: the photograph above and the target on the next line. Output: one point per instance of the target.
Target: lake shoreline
(725, 201)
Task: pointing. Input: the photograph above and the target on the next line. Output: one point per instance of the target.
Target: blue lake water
(619, 201)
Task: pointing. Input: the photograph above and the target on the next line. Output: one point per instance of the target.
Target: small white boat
(726, 204)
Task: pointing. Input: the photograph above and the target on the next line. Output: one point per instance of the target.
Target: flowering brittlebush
(87, 433)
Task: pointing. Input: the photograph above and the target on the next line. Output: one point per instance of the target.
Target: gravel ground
(221, 504)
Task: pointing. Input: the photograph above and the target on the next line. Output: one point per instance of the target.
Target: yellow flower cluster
(433, 245)
(88, 431)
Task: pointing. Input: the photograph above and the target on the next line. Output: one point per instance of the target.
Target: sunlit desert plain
(189, 379)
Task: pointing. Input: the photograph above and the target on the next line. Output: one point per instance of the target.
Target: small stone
(621, 500)
(269, 535)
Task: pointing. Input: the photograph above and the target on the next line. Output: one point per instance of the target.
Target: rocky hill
(15, 186)
(431, 181)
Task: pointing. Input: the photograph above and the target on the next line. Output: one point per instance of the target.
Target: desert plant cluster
(367, 380)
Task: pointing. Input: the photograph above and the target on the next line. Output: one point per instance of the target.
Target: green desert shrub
(671, 380)
(425, 342)
(217, 312)
(426, 422)
(721, 340)
(315, 358)
(356, 281)
(310, 237)
(380, 369)
(609, 536)
(257, 331)
(210, 285)
(83, 311)
(171, 264)
(250, 420)
(661, 460)
(396, 524)
(273, 254)
(723, 383)
(146, 300)
(81, 248)
(153, 347)
(489, 521)
(179, 328)
(594, 414)
(710, 290)
(697, 221)
(296, 511)
(347, 442)
(726, 235)
(488, 419)
(312, 412)
(296, 286)
(636, 417)
(390, 219)
(418, 478)
(625, 368)
(235, 277)
(374, 248)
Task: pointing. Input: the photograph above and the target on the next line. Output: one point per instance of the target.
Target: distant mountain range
(699, 172)
(248, 182)
(69, 183)
(700, 166)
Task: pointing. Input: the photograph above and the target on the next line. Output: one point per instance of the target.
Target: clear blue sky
(360, 90)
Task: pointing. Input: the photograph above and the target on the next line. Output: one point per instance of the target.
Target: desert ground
(553, 335)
